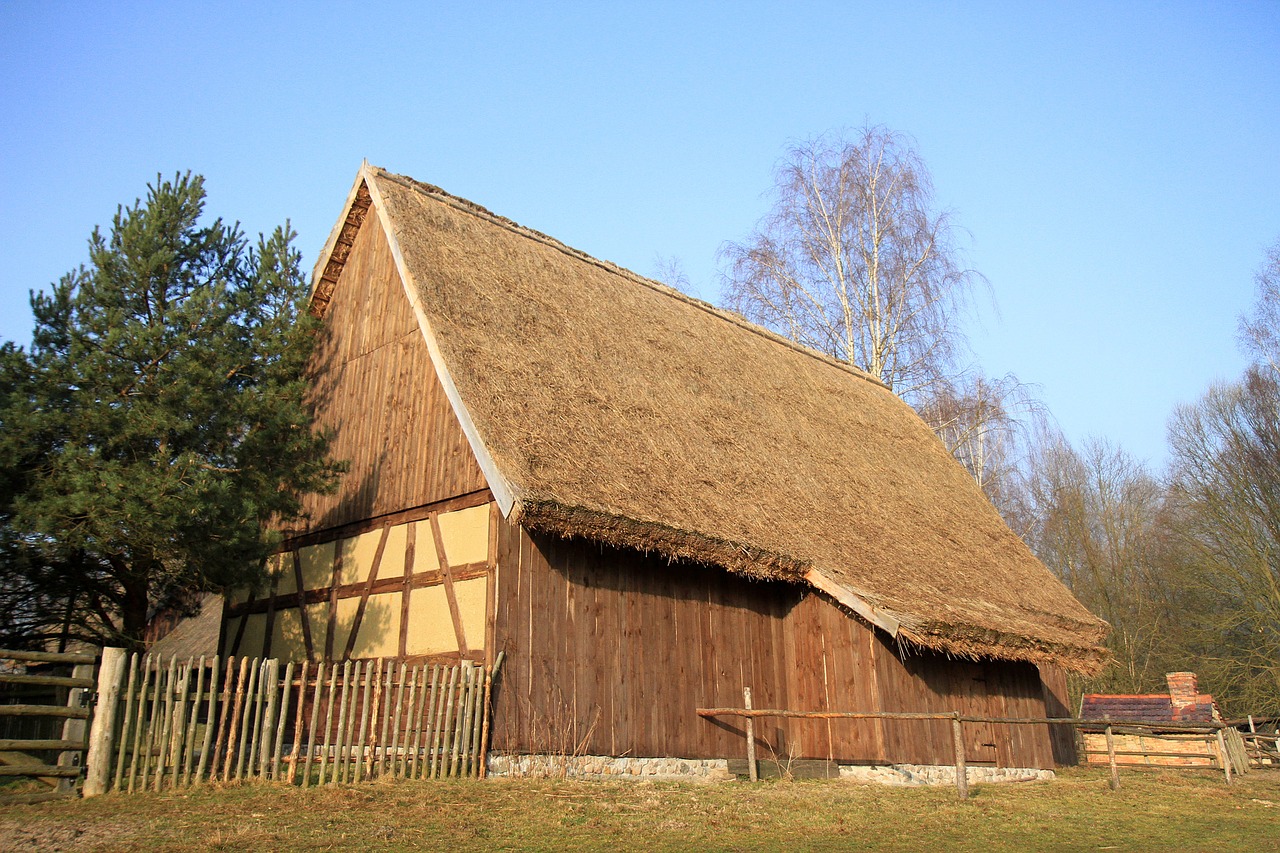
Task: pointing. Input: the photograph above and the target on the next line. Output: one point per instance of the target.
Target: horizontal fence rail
(43, 718)
(178, 723)
(1225, 745)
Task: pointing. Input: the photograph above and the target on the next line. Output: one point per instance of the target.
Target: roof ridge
(481, 212)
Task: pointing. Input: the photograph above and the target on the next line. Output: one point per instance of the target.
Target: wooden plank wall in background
(609, 652)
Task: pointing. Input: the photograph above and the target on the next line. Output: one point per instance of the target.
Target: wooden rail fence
(48, 742)
(1230, 756)
(174, 723)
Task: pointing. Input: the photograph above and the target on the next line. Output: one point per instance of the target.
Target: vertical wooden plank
(341, 761)
(233, 731)
(270, 691)
(362, 743)
(247, 743)
(328, 720)
(373, 764)
(315, 724)
(155, 710)
(188, 758)
(417, 725)
(384, 728)
(422, 738)
(206, 759)
(166, 725)
(224, 727)
(395, 729)
(298, 732)
(459, 713)
(437, 736)
(139, 724)
(179, 743)
(286, 692)
(129, 712)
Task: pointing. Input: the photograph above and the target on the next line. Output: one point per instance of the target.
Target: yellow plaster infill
(317, 565)
(287, 642)
(424, 549)
(466, 535)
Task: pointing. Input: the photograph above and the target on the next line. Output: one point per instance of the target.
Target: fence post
(752, 772)
(74, 729)
(102, 732)
(1111, 755)
(962, 772)
(1222, 752)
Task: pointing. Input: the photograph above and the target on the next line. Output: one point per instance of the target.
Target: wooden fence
(175, 723)
(1230, 755)
(44, 716)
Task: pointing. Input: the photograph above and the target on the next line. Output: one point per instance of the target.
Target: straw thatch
(604, 405)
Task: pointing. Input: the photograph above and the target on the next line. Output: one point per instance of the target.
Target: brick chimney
(1184, 689)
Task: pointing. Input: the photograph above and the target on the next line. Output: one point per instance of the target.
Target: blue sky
(1116, 164)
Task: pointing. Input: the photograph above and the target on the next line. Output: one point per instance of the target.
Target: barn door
(972, 698)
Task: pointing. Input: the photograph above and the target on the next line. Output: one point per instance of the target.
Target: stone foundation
(603, 767)
(600, 767)
(940, 774)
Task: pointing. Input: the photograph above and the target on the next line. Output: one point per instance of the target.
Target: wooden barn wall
(375, 388)
(609, 652)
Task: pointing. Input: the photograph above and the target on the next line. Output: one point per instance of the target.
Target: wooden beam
(458, 630)
(364, 597)
(464, 572)
(855, 603)
(410, 551)
(302, 606)
(365, 525)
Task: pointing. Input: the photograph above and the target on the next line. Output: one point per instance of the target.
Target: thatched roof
(195, 635)
(604, 405)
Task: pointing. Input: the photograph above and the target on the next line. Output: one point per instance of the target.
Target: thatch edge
(673, 543)
(970, 643)
(953, 639)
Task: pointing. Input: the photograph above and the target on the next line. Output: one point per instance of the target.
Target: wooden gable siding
(609, 652)
(374, 386)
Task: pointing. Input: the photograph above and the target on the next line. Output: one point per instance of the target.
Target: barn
(645, 504)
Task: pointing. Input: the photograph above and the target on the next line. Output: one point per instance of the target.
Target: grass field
(1184, 811)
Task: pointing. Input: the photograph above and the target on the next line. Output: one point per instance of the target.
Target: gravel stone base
(940, 774)
(601, 767)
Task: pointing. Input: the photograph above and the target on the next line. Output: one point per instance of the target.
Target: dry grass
(1153, 811)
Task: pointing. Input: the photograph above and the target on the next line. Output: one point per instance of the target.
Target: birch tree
(855, 260)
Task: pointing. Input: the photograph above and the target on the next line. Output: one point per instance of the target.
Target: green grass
(1184, 811)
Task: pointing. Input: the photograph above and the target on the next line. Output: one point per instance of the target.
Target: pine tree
(158, 433)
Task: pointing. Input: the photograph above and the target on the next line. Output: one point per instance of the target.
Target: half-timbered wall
(375, 389)
(610, 652)
(414, 586)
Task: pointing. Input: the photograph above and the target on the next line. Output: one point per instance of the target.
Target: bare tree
(855, 261)
(1226, 452)
(1260, 331)
(984, 422)
(1096, 523)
